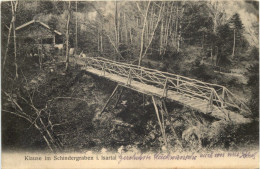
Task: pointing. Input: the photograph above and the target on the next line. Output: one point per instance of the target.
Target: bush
(202, 72)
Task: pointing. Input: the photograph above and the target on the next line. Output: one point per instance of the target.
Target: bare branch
(115, 46)
(139, 9)
(13, 101)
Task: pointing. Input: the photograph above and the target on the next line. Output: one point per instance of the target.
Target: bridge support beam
(161, 113)
(111, 96)
(161, 123)
(164, 108)
(117, 92)
(119, 97)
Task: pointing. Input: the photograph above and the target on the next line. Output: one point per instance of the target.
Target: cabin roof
(34, 21)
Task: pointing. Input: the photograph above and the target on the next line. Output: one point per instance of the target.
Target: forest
(50, 104)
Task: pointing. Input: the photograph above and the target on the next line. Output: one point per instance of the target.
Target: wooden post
(54, 40)
(178, 82)
(211, 100)
(163, 125)
(165, 88)
(223, 97)
(164, 107)
(103, 68)
(112, 95)
(158, 117)
(129, 79)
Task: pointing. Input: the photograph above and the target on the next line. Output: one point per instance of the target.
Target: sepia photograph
(146, 83)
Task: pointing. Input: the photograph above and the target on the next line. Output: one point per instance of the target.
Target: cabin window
(47, 41)
(58, 39)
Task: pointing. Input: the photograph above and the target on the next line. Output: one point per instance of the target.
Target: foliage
(253, 84)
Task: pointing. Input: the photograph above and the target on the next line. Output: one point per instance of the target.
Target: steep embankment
(74, 100)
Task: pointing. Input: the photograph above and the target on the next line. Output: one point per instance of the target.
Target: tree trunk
(14, 7)
(76, 31)
(180, 33)
(101, 43)
(116, 25)
(126, 30)
(152, 19)
(40, 52)
(234, 44)
(8, 43)
(202, 44)
(147, 32)
(101, 38)
(168, 29)
(178, 41)
(211, 54)
(142, 36)
(176, 24)
(130, 34)
(117, 31)
(161, 39)
(151, 39)
(98, 40)
(67, 37)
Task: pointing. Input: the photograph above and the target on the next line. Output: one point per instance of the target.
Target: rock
(103, 150)
(85, 89)
(120, 149)
(91, 85)
(33, 81)
(124, 102)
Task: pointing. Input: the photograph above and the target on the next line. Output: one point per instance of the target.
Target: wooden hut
(36, 37)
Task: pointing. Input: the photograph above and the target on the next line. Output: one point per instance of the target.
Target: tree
(53, 23)
(67, 35)
(142, 36)
(224, 43)
(76, 27)
(217, 13)
(8, 40)
(237, 26)
(143, 54)
(14, 9)
(46, 7)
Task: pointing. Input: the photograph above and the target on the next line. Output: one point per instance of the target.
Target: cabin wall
(35, 39)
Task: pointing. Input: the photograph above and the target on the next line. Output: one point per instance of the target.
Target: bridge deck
(194, 103)
(201, 105)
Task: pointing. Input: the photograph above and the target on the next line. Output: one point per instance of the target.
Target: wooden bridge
(212, 99)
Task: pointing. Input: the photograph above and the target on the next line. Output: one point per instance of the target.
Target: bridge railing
(215, 94)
